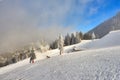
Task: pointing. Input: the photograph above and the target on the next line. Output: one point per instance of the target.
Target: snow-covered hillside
(99, 60)
(110, 40)
(102, 64)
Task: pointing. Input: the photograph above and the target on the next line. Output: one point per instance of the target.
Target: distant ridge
(107, 26)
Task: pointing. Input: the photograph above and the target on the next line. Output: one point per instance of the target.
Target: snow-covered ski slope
(100, 62)
(39, 56)
(110, 40)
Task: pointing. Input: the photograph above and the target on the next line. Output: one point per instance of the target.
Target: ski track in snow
(99, 62)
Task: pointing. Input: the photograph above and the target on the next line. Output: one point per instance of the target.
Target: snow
(99, 61)
(93, 65)
(110, 40)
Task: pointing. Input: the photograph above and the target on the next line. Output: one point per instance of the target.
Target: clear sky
(81, 15)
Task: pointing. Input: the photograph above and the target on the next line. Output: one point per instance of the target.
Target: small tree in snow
(61, 44)
(93, 35)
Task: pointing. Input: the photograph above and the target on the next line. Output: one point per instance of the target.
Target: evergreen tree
(72, 41)
(60, 44)
(54, 45)
(81, 35)
(77, 38)
(87, 36)
(67, 40)
(93, 35)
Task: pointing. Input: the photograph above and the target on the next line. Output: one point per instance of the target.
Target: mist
(20, 26)
(23, 22)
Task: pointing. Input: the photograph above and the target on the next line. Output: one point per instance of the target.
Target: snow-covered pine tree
(93, 35)
(67, 39)
(54, 44)
(81, 35)
(61, 44)
(72, 41)
(87, 36)
(77, 38)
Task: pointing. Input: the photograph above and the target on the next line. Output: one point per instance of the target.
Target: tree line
(73, 38)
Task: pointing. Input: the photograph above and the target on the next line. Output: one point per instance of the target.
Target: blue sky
(95, 12)
(81, 15)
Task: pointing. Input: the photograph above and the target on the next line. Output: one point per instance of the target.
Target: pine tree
(67, 40)
(54, 44)
(81, 35)
(87, 36)
(77, 38)
(72, 41)
(60, 44)
(93, 35)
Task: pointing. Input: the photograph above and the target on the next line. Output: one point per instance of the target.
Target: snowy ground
(101, 64)
(98, 62)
